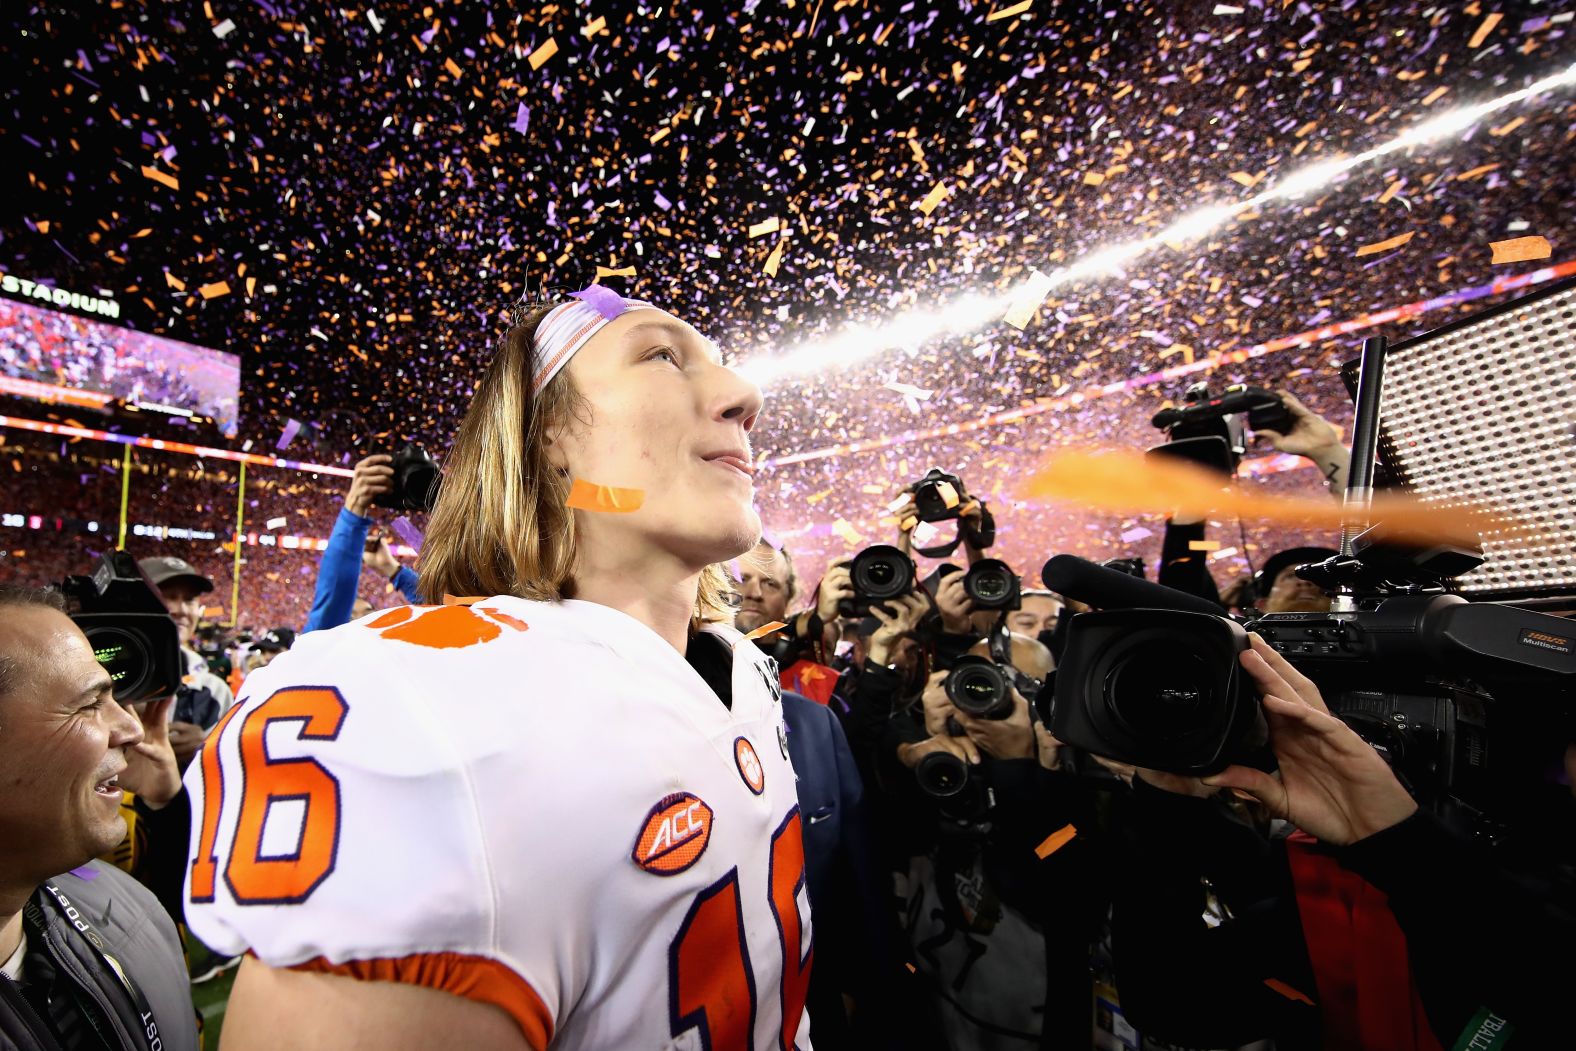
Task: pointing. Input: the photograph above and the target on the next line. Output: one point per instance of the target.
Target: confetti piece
(161, 177)
(1137, 533)
(292, 428)
(774, 260)
(607, 499)
(844, 529)
(766, 629)
(934, 197)
(214, 290)
(174, 282)
(85, 873)
(454, 69)
(1203, 545)
(593, 27)
(1093, 178)
(224, 29)
(543, 53)
(408, 532)
(1385, 246)
(606, 271)
(1055, 841)
(1027, 299)
(1009, 12)
(1484, 30)
(277, 523)
(604, 301)
(761, 229)
(1520, 249)
(948, 494)
(1227, 9)
(1281, 987)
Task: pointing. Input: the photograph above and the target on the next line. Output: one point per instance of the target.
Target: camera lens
(991, 584)
(977, 687)
(1163, 690)
(125, 656)
(941, 774)
(882, 572)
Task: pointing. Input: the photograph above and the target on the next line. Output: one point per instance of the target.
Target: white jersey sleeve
(539, 806)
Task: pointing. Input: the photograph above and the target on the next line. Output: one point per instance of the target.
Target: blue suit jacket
(850, 904)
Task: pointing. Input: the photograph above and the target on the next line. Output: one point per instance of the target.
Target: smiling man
(203, 696)
(71, 927)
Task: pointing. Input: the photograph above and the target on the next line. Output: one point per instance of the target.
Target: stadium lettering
(59, 297)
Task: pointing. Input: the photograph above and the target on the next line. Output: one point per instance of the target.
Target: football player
(608, 849)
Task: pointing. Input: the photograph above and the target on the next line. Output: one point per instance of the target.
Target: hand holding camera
(899, 617)
(956, 607)
(1332, 784)
(837, 587)
(378, 558)
(1011, 737)
(372, 478)
(152, 772)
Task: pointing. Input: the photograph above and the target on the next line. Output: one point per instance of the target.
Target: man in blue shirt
(335, 601)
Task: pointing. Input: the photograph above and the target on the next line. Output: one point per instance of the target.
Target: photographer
(937, 497)
(1310, 436)
(348, 551)
(767, 585)
(203, 697)
(89, 958)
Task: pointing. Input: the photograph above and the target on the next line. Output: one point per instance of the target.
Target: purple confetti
(407, 532)
(604, 300)
(522, 118)
(292, 428)
(86, 873)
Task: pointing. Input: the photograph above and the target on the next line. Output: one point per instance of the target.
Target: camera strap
(980, 539)
(148, 1028)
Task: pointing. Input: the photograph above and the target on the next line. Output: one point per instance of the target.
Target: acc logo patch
(674, 836)
(749, 765)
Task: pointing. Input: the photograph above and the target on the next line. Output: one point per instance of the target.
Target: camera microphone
(1082, 580)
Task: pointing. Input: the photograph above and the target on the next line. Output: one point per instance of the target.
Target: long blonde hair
(501, 525)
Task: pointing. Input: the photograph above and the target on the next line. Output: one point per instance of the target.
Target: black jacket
(135, 930)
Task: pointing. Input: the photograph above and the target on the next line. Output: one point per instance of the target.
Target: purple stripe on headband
(604, 300)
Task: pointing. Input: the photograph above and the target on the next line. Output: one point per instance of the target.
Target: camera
(941, 775)
(1157, 688)
(937, 496)
(128, 627)
(1209, 429)
(977, 686)
(416, 481)
(879, 574)
(991, 584)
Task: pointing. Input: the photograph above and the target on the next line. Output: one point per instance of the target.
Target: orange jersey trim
(473, 977)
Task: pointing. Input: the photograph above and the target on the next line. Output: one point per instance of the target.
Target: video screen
(49, 356)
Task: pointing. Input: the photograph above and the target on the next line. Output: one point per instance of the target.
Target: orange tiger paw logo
(445, 627)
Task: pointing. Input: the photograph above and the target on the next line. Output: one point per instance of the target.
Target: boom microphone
(1078, 578)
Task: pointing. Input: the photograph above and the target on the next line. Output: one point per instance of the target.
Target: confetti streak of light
(970, 313)
(1227, 357)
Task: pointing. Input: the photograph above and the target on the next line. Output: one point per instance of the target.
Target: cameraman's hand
(1310, 433)
(910, 754)
(1332, 783)
(937, 705)
(838, 584)
(381, 560)
(898, 617)
(373, 477)
(1009, 738)
(907, 513)
(186, 739)
(1176, 784)
(955, 605)
(152, 772)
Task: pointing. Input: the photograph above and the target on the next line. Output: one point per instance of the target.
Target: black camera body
(977, 686)
(880, 573)
(1161, 689)
(416, 481)
(1209, 429)
(128, 627)
(938, 496)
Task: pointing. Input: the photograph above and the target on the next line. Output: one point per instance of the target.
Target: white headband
(569, 326)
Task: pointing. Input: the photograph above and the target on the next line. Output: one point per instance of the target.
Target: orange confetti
(606, 271)
(1093, 178)
(766, 629)
(1203, 545)
(1484, 30)
(584, 496)
(454, 70)
(761, 229)
(214, 290)
(459, 600)
(593, 27)
(774, 260)
(1128, 482)
(1285, 990)
(1009, 12)
(174, 282)
(1384, 246)
(161, 177)
(543, 53)
(844, 529)
(1055, 841)
(934, 197)
(1027, 299)
(1521, 249)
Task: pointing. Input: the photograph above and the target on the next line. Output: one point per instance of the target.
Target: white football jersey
(538, 805)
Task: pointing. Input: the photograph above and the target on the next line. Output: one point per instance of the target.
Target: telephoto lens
(942, 775)
(977, 687)
(879, 574)
(991, 584)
